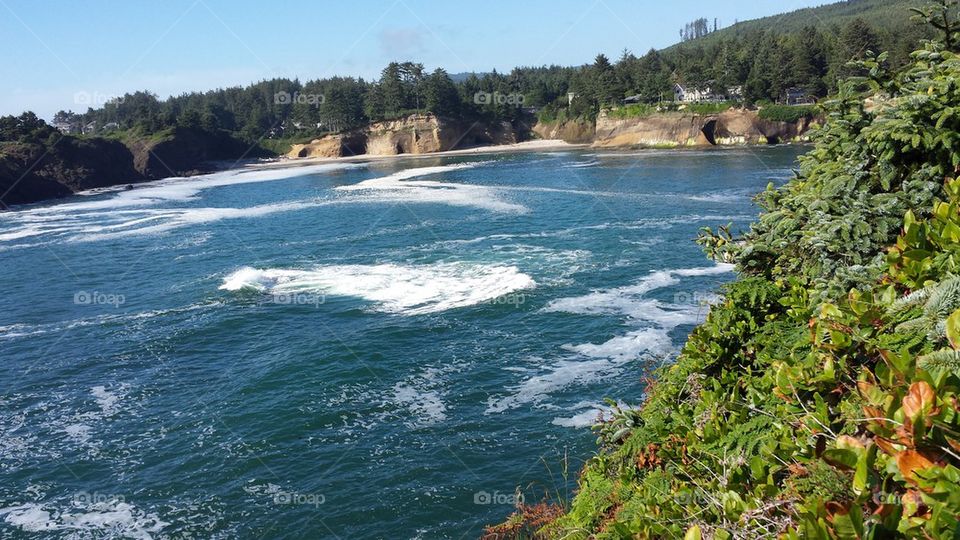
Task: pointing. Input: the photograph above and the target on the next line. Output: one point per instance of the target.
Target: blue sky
(62, 54)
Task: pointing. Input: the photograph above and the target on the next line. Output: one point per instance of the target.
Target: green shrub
(787, 113)
(634, 110)
(707, 108)
(821, 397)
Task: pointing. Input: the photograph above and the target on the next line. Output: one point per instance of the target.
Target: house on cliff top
(689, 94)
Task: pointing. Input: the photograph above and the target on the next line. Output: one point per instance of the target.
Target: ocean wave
(400, 187)
(594, 362)
(588, 363)
(591, 414)
(582, 164)
(22, 330)
(392, 288)
(171, 219)
(181, 189)
(136, 211)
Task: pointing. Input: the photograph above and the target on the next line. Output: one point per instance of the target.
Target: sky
(67, 54)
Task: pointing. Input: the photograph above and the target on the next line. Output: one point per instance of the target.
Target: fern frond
(915, 298)
(944, 299)
(920, 325)
(942, 360)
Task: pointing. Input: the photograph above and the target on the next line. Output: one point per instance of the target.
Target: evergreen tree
(442, 98)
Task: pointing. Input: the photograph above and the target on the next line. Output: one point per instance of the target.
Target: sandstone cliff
(732, 127)
(576, 131)
(414, 134)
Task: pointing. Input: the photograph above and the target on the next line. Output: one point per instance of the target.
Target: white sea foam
(628, 300)
(588, 363)
(592, 362)
(421, 395)
(582, 164)
(727, 196)
(107, 400)
(179, 189)
(586, 418)
(78, 432)
(114, 518)
(591, 414)
(400, 187)
(136, 211)
(407, 290)
(627, 347)
(424, 404)
(21, 330)
(175, 218)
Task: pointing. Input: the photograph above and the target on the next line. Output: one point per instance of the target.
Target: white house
(684, 94)
(67, 127)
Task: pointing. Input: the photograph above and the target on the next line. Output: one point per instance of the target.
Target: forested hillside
(808, 49)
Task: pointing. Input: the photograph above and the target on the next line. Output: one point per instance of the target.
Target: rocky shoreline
(36, 171)
(33, 172)
(427, 134)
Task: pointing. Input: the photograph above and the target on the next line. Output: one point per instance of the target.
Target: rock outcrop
(36, 171)
(577, 131)
(328, 146)
(33, 172)
(669, 129)
(186, 152)
(414, 134)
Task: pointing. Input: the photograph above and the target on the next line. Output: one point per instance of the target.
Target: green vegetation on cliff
(821, 396)
(39, 162)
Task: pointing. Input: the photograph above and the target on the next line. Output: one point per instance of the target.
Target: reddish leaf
(886, 446)
(919, 400)
(910, 461)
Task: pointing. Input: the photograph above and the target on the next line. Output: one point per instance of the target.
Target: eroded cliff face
(31, 172)
(732, 127)
(186, 152)
(414, 134)
(350, 144)
(577, 131)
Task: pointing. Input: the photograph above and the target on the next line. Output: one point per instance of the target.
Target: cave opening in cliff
(709, 131)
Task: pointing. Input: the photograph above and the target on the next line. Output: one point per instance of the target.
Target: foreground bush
(821, 397)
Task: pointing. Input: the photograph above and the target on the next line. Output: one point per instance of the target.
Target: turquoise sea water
(374, 350)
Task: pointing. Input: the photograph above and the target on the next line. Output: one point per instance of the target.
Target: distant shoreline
(526, 146)
(541, 145)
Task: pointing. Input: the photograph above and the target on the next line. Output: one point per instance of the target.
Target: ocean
(386, 349)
